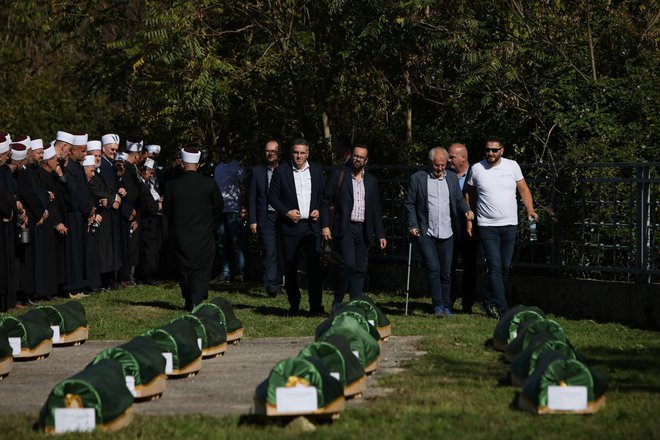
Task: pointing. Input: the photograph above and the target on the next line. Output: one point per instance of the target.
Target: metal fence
(598, 221)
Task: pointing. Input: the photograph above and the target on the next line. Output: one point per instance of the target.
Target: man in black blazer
(295, 192)
(192, 202)
(262, 217)
(434, 204)
(357, 220)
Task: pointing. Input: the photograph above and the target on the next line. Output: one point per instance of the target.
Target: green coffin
(178, 338)
(100, 386)
(340, 361)
(231, 321)
(300, 371)
(69, 316)
(33, 327)
(531, 328)
(140, 357)
(211, 331)
(356, 313)
(372, 310)
(5, 348)
(359, 339)
(507, 328)
(525, 362)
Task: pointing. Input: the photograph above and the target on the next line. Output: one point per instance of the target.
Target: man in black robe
(10, 212)
(192, 202)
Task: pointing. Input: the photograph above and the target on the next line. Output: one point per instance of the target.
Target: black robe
(79, 207)
(192, 202)
(7, 231)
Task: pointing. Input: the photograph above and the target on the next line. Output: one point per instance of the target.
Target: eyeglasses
(493, 150)
(359, 158)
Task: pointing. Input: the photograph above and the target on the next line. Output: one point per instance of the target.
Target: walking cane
(408, 277)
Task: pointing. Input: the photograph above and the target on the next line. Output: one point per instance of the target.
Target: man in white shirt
(493, 183)
(296, 189)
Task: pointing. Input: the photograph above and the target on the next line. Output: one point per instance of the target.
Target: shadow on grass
(399, 307)
(628, 370)
(271, 311)
(157, 304)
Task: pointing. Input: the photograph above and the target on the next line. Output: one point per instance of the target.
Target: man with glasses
(262, 216)
(357, 220)
(434, 205)
(295, 192)
(493, 183)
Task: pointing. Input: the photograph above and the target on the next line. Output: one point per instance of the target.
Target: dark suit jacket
(282, 195)
(258, 198)
(341, 197)
(416, 202)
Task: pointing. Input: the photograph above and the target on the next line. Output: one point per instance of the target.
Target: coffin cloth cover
(178, 338)
(554, 368)
(525, 362)
(335, 360)
(231, 321)
(507, 328)
(359, 339)
(70, 316)
(211, 331)
(5, 348)
(300, 371)
(367, 303)
(529, 329)
(140, 357)
(355, 312)
(100, 386)
(32, 327)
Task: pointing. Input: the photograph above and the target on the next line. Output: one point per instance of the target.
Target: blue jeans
(498, 243)
(437, 254)
(230, 242)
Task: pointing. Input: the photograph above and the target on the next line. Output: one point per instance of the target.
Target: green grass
(454, 391)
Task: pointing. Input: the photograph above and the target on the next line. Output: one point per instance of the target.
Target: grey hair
(433, 151)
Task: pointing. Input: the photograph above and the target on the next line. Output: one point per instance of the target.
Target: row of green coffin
(330, 369)
(35, 332)
(542, 357)
(138, 369)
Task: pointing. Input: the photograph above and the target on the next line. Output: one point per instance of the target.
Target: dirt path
(224, 385)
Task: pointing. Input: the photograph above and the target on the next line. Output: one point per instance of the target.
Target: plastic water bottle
(532, 229)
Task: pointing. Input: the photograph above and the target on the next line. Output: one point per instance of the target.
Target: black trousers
(352, 270)
(303, 240)
(468, 249)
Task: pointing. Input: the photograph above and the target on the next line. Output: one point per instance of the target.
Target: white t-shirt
(496, 192)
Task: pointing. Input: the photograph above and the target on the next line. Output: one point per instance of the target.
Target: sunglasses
(493, 150)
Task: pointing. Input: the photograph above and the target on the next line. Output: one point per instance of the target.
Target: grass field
(455, 391)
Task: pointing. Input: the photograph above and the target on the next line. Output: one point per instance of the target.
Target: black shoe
(317, 312)
(490, 310)
(272, 293)
(293, 312)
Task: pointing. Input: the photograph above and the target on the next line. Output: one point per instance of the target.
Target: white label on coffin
(296, 399)
(56, 333)
(15, 346)
(199, 343)
(356, 354)
(130, 384)
(168, 363)
(74, 420)
(335, 375)
(372, 322)
(567, 398)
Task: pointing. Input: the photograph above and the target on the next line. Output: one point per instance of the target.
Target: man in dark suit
(464, 245)
(434, 204)
(295, 192)
(192, 202)
(357, 220)
(262, 217)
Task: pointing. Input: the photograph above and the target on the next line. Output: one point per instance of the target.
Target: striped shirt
(357, 214)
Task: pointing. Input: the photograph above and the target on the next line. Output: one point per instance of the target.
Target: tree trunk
(409, 138)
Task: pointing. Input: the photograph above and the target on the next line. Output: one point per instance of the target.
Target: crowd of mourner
(79, 216)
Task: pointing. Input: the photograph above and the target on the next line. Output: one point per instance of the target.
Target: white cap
(133, 147)
(89, 161)
(52, 143)
(121, 156)
(110, 139)
(37, 144)
(80, 139)
(18, 151)
(190, 155)
(94, 146)
(65, 137)
(149, 163)
(49, 152)
(4, 145)
(154, 149)
(23, 140)
(6, 135)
